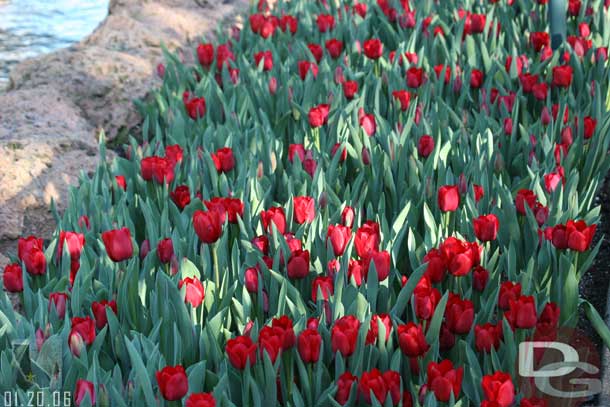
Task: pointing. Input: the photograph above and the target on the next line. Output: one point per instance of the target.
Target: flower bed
(366, 204)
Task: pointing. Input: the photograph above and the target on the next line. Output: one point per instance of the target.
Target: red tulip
(480, 277)
(305, 67)
(425, 298)
(540, 40)
(201, 400)
(288, 22)
(522, 312)
(562, 76)
(344, 387)
(30, 251)
(528, 81)
(84, 328)
(13, 278)
(486, 227)
(344, 335)
(304, 209)
(318, 53)
(368, 124)
(173, 383)
(487, 336)
(274, 216)
(270, 342)
(309, 345)
(181, 196)
(350, 88)
(226, 159)
(339, 237)
(158, 168)
(412, 340)
(205, 54)
(83, 389)
(323, 284)
(195, 107)
(373, 332)
(448, 198)
(381, 259)
(240, 351)
(367, 239)
(334, 47)
(476, 79)
(403, 97)
(444, 379)
(284, 326)
(372, 381)
(266, 57)
(298, 265)
(318, 116)
(165, 250)
(459, 314)
(99, 312)
(508, 291)
(325, 22)
(194, 291)
(499, 389)
(59, 301)
(425, 146)
(415, 77)
(208, 226)
(118, 244)
(373, 48)
(525, 197)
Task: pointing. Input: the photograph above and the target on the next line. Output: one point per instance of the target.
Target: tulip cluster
(366, 202)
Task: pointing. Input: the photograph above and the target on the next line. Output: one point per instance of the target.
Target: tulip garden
(341, 203)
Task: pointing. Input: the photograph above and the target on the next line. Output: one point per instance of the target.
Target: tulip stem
(216, 271)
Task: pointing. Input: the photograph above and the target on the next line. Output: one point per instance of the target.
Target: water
(32, 27)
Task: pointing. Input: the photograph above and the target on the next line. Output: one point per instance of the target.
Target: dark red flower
(173, 383)
(30, 251)
(207, 225)
(274, 216)
(99, 312)
(344, 335)
(412, 340)
(444, 379)
(367, 239)
(498, 389)
(522, 312)
(373, 48)
(205, 54)
(562, 76)
(448, 198)
(344, 387)
(486, 227)
(240, 351)
(304, 209)
(349, 89)
(13, 278)
(459, 314)
(487, 336)
(318, 116)
(118, 244)
(308, 344)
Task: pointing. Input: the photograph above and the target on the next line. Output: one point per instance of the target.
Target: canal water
(32, 27)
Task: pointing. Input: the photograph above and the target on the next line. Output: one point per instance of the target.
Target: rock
(44, 143)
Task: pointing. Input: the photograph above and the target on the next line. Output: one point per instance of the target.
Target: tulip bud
(144, 249)
(366, 157)
(76, 343)
(272, 85)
